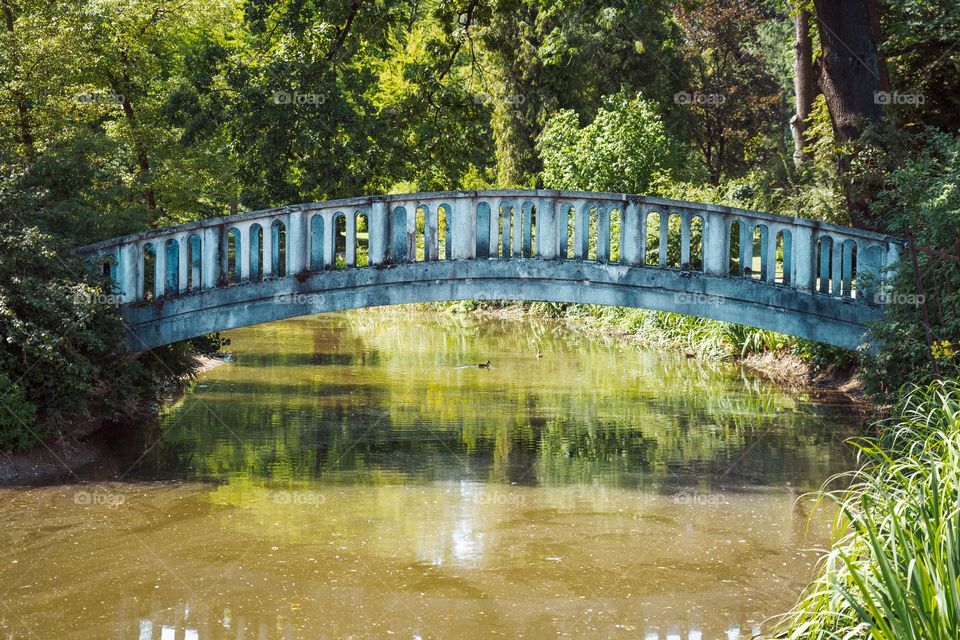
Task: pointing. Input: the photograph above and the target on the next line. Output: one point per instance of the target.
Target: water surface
(358, 476)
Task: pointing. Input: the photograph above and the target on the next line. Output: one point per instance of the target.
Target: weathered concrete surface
(801, 277)
(825, 319)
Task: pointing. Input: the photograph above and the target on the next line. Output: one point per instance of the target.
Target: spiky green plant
(893, 572)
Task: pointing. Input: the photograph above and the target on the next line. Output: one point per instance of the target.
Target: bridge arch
(807, 278)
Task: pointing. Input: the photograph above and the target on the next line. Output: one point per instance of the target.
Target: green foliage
(922, 201)
(700, 336)
(892, 573)
(624, 149)
(548, 56)
(922, 38)
(17, 418)
(62, 339)
(731, 99)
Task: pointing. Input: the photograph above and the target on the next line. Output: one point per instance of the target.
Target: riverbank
(780, 366)
(62, 454)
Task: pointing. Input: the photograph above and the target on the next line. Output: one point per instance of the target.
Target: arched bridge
(804, 278)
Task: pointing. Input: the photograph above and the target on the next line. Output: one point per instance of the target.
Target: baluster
(210, 264)
(685, 240)
(462, 228)
(716, 244)
(267, 266)
(330, 238)
(804, 252)
(127, 272)
(159, 267)
(630, 242)
(242, 250)
(378, 227)
(351, 253)
(548, 246)
(664, 236)
(183, 268)
(297, 238)
(746, 247)
(603, 233)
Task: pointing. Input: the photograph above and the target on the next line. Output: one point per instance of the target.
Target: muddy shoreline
(59, 457)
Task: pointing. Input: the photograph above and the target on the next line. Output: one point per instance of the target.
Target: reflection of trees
(296, 405)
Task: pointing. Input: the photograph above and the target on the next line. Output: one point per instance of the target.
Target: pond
(357, 475)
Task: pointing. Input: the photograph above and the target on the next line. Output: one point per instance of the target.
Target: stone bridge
(800, 277)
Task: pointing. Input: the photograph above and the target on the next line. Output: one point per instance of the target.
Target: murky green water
(358, 476)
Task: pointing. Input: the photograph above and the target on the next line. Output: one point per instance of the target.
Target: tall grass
(894, 569)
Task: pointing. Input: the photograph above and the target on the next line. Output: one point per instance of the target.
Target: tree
(730, 99)
(624, 149)
(849, 78)
(804, 85)
(543, 57)
(62, 346)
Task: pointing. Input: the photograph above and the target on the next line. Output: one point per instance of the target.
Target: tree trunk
(849, 78)
(849, 72)
(804, 87)
(874, 9)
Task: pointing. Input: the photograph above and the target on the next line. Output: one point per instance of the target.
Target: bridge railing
(376, 231)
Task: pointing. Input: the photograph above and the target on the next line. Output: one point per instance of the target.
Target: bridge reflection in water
(805, 278)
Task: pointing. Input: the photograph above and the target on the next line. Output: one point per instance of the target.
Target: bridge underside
(822, 318)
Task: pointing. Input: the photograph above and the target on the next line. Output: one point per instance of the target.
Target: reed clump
(893, 571)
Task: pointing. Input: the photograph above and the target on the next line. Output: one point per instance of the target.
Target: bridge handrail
(803, 254)
(360, 201)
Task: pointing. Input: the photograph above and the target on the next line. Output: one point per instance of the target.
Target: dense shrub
(921, 201)
(16, 417)
(61, 341)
